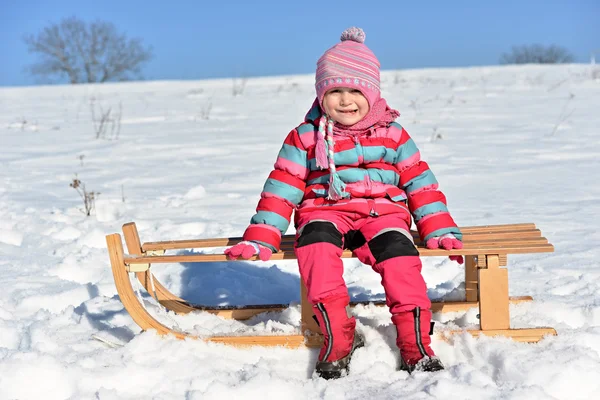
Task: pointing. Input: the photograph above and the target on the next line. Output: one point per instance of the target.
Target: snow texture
(508, 145)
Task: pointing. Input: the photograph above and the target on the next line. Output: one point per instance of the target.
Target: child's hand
(446, 242)
(247, 249)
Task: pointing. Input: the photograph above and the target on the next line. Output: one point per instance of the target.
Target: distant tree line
(537, 54)
(86, 52)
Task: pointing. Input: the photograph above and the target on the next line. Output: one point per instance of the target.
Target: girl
(354, 177)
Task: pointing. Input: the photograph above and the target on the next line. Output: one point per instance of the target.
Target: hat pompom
(355, 34)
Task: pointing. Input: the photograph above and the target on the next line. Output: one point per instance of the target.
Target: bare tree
(537, 54)
(83, 52)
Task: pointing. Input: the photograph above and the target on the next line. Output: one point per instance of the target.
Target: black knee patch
(391, 244)
(353, 240)
(319, 232)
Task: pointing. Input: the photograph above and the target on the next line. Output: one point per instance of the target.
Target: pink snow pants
(383, 242)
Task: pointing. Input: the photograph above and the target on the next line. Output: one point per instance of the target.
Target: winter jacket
(383, 173)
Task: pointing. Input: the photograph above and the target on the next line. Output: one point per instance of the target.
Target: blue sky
(222, 38)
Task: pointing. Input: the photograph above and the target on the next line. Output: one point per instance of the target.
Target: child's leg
(318, 247)
(388, 247)
(390, 250)
(319, 243)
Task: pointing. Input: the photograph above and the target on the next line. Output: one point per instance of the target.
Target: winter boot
(414, 341)
(340, 338)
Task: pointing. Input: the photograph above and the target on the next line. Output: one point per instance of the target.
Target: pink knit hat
(349, 64)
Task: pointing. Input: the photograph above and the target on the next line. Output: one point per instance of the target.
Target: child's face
(345, 105)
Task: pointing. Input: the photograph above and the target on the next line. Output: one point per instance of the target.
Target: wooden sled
(486, 249)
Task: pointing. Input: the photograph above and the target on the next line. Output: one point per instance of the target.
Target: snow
(508, 144)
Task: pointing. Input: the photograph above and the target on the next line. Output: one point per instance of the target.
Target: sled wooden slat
(486, 249)
(292, 341)
(498, 228)
(469, 233)
(247, 312)
(289, 255)
(518, 335)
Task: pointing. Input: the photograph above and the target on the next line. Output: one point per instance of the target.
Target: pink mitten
(247, 249)
(446, 242)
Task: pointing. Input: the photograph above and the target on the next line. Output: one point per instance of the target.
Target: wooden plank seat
(486, 249)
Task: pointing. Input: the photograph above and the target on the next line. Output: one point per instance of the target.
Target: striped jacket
(383, 173)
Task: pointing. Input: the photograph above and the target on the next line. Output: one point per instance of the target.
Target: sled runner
(486, 249)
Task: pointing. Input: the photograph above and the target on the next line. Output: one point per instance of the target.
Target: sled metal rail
(486, 249)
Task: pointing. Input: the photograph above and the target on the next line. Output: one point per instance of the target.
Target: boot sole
(336, 369)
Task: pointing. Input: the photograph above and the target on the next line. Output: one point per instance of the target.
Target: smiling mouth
(348, 112)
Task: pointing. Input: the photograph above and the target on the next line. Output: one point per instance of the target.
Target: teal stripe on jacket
(352, 175)
(384, 176)
(400, 197)
(431, 208)
(305, 128)
(346, 157)
(283, 190)
(293, 154)
(271, 218)
(350, 157)
(377, 153)
(426, 178)
(406, 150)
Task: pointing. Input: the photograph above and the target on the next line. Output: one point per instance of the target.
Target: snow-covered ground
(508, 145)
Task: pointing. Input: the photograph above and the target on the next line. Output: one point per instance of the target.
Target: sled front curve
(149, 281)
(145, 321)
